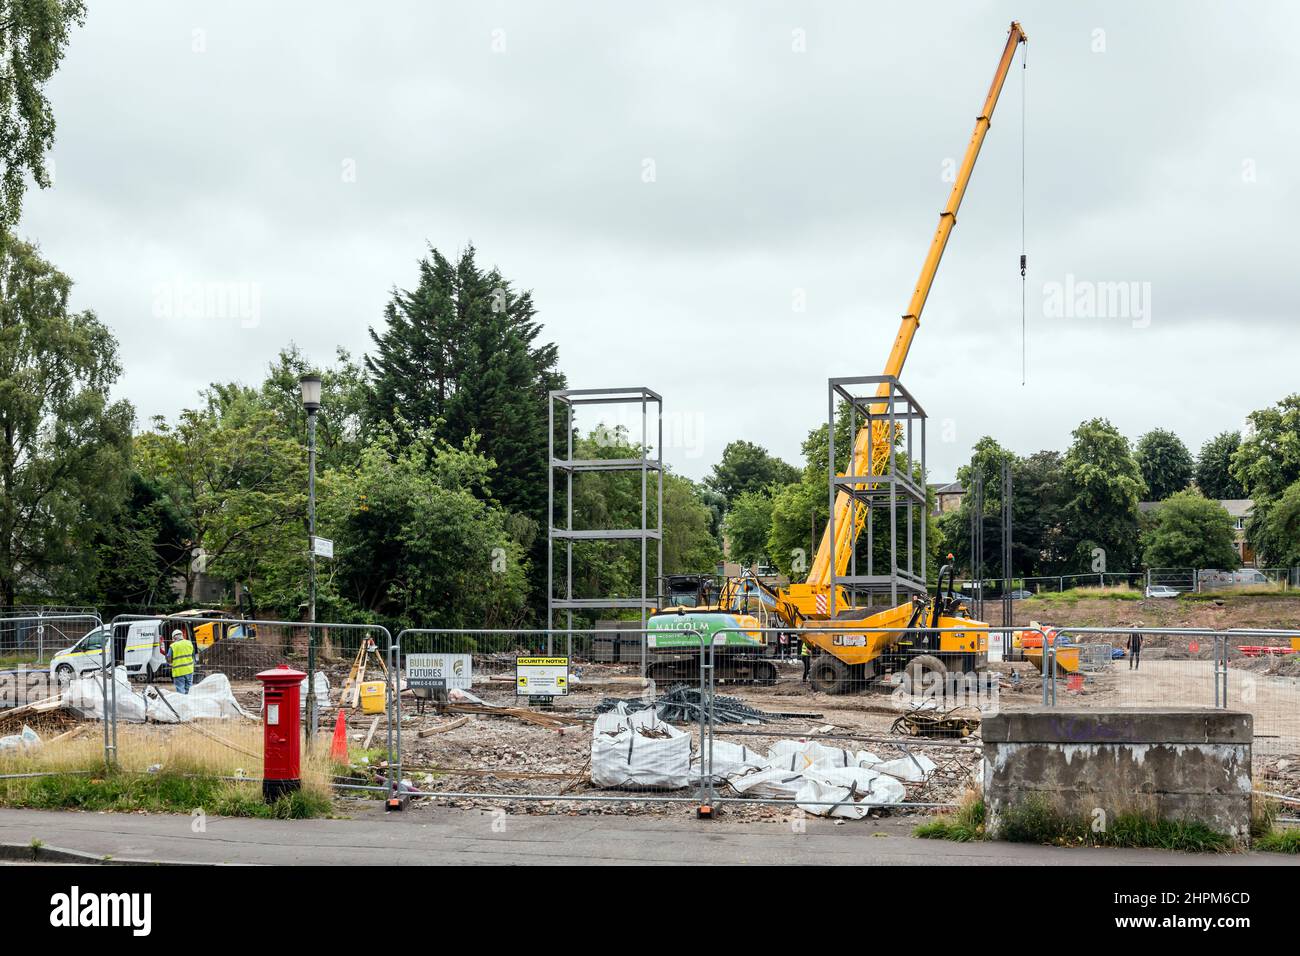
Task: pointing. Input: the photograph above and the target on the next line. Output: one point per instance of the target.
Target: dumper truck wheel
(829, 675)
(924, 674)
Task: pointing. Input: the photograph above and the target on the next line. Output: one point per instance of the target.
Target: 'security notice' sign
(541, 676)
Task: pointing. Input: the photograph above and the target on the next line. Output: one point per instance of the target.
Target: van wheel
(64, 673)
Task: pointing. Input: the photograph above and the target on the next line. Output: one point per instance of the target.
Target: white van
(136, 645)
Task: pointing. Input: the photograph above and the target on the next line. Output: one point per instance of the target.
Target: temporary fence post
(103, 692)
(396, 798)
(705, 809)
(111, 638)
(1045, 662)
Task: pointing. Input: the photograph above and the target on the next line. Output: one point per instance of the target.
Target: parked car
(1160, 591)
(1021, 595)
(137, 645)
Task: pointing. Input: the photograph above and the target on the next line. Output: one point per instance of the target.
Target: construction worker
(805, 653)
(1135, 649)
(181, 657)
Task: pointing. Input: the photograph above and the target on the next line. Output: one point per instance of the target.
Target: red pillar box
(281, 731)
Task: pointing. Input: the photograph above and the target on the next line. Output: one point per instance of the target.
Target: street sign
(541, 676)
(322, 547)
(439, 671)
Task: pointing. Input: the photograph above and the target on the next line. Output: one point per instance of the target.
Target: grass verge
(162, 768)
(1278, 841)
(1036, 821)
(167, 791)
(1072, 595)
(964, 826)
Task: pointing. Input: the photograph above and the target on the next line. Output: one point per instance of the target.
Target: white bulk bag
(623, 756)
(913, 768)
(730, 760)
(848, 792)
(800, 755)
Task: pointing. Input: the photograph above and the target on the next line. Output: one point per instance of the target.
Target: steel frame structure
(888, 487)
(567, 400)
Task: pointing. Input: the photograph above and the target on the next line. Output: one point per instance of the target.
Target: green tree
(1166, 463)
(462, 353)
(1267, 464)
(140, 549)
(689, 543)
(1189, 531)
(33, 36)
(235, 480)
(1214, 468)
(64, 446)
(798, 521)
(1038, 513)
(987, 459)
(746, 467)
(1274, 528)
(747, 525)
(1105, 485)
(341, 422)
(1268, 461)
(417, 539)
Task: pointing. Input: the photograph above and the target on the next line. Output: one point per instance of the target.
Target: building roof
(947, 488)
(1237, 507)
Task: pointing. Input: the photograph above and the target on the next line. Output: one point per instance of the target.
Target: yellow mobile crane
(844, 660)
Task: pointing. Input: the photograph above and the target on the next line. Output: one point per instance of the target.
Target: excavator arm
(871, 444)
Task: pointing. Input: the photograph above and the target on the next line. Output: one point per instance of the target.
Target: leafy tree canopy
(33, 36)
(1104, 485)
(64, 445)
(1166, 463)
(1214, 468)
(1190, 531)
(747, 467)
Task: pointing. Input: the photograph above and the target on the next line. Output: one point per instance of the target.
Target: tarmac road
(466, 837)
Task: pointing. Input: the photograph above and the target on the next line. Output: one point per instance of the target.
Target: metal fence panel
(485, 740)
(148, 726)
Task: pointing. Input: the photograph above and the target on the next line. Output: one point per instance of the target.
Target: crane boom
(871, 444)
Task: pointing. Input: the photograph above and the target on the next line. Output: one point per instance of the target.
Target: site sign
(541, 676)
(439, 671)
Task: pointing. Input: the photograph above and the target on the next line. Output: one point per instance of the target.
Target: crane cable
(1024, 69)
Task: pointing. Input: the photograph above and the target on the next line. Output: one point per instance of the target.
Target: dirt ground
(1229, 611)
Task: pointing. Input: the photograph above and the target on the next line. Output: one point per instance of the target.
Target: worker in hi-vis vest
(805, 654)
(181, 655)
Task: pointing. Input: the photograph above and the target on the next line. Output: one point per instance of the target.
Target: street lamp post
(310, 385)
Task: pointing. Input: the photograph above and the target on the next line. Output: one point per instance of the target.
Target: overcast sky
(303, 155)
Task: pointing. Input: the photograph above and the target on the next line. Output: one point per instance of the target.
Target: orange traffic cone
(339, 747)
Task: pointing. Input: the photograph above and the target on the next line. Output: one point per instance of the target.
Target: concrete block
(1173, 764)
